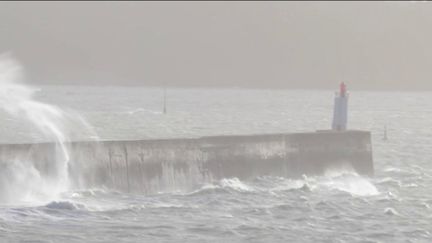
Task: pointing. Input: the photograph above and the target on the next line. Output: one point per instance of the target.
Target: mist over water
(394, 205)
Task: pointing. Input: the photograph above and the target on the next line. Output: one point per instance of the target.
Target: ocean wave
(410, 185)
(92, 192)
(392, 169)
(65, 205)
(226, 185)
(343, 181)
(206, 189)
(407, 171)
(290, 185)
(339, 180)
(391, 211)
(236, 185)
(389, 196)
(347, 180)
(388, 181)
(51, 211)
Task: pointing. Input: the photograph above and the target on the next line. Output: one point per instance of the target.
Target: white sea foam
(345, 180)
(348, 181)
(235, 184)
(225, 184)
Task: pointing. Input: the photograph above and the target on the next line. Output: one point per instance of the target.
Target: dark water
(340, 206)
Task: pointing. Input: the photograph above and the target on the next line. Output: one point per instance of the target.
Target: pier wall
(149, 166)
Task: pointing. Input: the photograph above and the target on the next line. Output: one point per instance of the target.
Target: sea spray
(20, 180)
(347, 180)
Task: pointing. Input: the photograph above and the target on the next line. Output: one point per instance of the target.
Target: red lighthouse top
(342, 89)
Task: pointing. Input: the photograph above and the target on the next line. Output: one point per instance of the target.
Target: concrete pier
(149, 166)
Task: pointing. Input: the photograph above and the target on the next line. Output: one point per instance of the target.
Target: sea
(394, 205)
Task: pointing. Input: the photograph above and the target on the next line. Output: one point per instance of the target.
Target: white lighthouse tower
(340, 110)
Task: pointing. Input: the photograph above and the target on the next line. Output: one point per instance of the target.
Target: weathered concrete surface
(148, 166)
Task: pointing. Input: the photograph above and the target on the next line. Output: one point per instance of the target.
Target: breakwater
(148, 166)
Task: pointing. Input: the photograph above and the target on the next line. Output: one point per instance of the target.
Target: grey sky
(384, 45)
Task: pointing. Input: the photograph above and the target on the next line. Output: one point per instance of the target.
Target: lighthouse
(340, 110)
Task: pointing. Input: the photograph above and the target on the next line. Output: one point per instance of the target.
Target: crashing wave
(349, 181)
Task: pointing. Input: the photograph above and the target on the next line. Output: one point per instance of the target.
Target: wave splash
(350, 182)
(20, 180)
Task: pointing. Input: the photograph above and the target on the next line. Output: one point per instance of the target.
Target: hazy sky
(315, 45)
